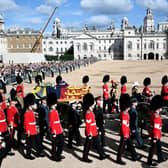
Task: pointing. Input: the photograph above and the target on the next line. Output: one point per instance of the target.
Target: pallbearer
(91, 129)
(31, 128)
(123, 82)
(106, 94)
(55, 128)
(156, 131)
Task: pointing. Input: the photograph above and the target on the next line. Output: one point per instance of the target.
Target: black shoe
(30, 157)
(121, 162)
(142, 147)
(70, 147)
(58, 158)
(87, 160)
(139, 157)
(162, 160)
(41, 154)
(104, 157)
(152, 164)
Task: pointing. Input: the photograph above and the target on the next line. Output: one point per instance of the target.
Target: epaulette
(156, 115)
(125, 112)
(27, 111)
(88, 112)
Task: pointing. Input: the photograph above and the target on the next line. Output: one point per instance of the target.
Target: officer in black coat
(98, 111)
(74, 123)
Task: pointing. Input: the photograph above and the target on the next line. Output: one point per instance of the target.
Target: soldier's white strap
(93, 124)
(157, 126)
(2, 120)
(33, 123)
(56, 122)
(124, 122)
(88, 121)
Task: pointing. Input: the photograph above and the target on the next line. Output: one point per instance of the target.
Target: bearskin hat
(106, 78)
(13, 94)
(156, 102)
(88, 100)
(97, 98)
(38, 79)
(58, 79)
(147, 81)
(124, 101)
(51, 99)
(164, 80)
(19, 79)
(29, 100)
(123, 80)
(1, 98)
(85, 79)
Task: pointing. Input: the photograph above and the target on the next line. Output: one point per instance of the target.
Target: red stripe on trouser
(87, 148)
(121, 150)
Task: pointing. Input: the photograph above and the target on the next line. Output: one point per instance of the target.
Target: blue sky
(77, 13)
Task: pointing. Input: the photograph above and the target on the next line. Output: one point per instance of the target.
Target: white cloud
(99, 20)
(55, 2)
(44, 9)
(107, 6)
(6, 5)
(160, 6)
(77, 13)
(36, 20)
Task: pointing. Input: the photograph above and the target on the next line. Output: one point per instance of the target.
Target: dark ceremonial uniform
(135, 133)
(155, 134)
(31, 131)
(91, 133)
(125, 137)
(105, 98)
(4, 130)
(100, 123)
(74, 123)
(57, 133)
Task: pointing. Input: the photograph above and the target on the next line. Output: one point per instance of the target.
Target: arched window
(50, 49)
(91, 47)
(85, 46)
(130, 45)
(152, 45)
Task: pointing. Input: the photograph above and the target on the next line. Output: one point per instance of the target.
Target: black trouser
(7, 140)
(30, 141)
(102, 134)
(57, 145)
(155, 145)
(129, 146)
(138, 137)
(88, 144)
(18, 129)
(106, 103)
(74, 131)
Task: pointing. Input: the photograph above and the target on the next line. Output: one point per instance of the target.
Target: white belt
(93, 124)
(56, 122)
(32, 123)
(2, 120)
(157, 126)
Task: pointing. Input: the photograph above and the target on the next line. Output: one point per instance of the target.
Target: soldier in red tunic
(30, 127)
(55, 128)
(164, 91)
(106, 94)
(91, 129)
(146, 91)
(13, 119)
(4, 129)
(125, 130)
(123, 81)
(19, 87)
(3, 105)
(155, 131)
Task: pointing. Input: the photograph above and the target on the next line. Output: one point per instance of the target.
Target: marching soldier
(4, 130)
(85, 88)
(125, 130)
(164, 91)
(19, 87)
(123, 82)
(14, 119)
(74, 123)
(146, 91)
(135, 133)
(106, 94)
(55, 128)
(3, 104)
(155, 131)
(30, 128)
(91, 129)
